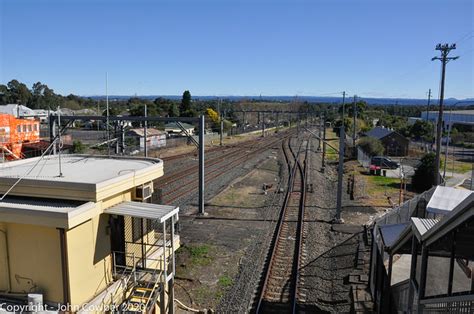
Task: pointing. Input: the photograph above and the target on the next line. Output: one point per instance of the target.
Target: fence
(363, 158)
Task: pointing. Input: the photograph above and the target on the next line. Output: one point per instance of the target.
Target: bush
(425, 174)
(371, 146)
(78, 147)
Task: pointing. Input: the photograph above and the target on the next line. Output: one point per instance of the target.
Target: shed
(155, 138)
(394, 143)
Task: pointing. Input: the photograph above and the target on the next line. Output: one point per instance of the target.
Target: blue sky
(372, 48)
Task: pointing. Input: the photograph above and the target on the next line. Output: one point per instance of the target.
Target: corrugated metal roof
(149, 132)
(379, 132)
(422, 225)
(143, 210)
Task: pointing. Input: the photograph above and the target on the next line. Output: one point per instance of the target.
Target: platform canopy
(445, 199)
(143, 210)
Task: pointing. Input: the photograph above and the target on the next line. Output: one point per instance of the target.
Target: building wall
(34, 260)
(89, 254)
(395, 145)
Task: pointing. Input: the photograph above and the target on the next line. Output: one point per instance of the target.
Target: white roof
(14, 108)
(445, 199)
(75, 168)
(143, 210)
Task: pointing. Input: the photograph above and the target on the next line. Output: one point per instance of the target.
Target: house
(80, 234)
(182, 129)
(394, 143)
(20, 111)
(154, 138)
(423, 254)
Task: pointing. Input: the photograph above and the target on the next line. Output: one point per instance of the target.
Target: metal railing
(453, 304)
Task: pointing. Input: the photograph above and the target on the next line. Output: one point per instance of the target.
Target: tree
(213, 115)
(173, 110)
(371, 146)
(185, 107)
(425, 174)
(19, 92)
(421, 130)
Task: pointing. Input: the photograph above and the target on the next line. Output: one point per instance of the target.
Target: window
(24, 128)
(18, 128)
(29, 127)
(35, 127)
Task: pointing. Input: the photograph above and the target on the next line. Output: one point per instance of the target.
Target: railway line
(279, 282)
(179, 184)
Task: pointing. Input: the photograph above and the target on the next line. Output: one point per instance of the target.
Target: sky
(371, 48)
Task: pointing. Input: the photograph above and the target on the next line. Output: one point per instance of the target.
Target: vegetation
(425, 174)
(371, 146)
(225, 281)
(78, 147)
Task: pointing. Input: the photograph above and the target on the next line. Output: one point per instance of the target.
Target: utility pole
(444, 49)
(221, 122)
(354, 108)
(427, 114)
(145, 135)
(107, 113)
(323, 159)
(428, 105)
(340, 168)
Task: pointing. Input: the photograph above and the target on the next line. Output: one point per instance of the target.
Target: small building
(80, 234)
(23, 112)
(423, 255)
(394, 143)
(154, 138)
(14, 133)
(179, 129)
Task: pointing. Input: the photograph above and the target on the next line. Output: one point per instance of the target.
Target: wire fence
(363, 158)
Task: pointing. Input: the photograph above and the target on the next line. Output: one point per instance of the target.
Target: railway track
(279, 286)
(185, 182)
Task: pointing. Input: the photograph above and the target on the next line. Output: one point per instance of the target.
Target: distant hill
(311, 99)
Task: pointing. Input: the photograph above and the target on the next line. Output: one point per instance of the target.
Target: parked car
(384, 162)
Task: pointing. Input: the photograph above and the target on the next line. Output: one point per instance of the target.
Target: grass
(225, 281)
(199, 254)
(331, 153)
(459, 166)
(380, 184)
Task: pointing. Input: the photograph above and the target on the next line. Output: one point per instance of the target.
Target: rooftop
(81, 177)
(379, 132)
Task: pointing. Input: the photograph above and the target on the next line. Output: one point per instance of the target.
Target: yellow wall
(4, 269)
(89, 259)
(35, 260)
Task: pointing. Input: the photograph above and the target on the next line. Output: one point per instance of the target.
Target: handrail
(126, 279)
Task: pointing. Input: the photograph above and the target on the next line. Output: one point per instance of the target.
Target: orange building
(14, 132)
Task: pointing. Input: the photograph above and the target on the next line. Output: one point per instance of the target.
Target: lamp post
(448, 138)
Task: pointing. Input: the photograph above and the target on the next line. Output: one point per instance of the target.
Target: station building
(422, 257)
(79, 232)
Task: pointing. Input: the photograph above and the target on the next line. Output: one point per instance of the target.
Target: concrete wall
(34, 260)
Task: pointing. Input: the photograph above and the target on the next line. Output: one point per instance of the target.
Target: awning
(143, 210)
(445, 199)
(391, 233)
